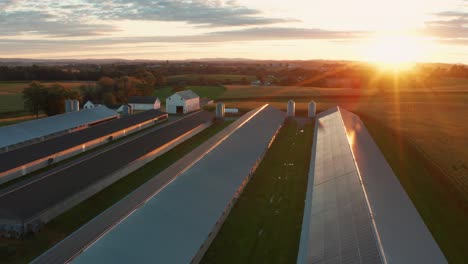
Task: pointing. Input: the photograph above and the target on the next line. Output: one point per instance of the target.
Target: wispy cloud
(214, 13)
(44, 23)
(449, 25)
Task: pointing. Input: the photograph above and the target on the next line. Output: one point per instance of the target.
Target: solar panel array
(340, 228)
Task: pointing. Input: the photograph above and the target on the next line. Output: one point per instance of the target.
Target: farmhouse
(182, 102)
(144, 102)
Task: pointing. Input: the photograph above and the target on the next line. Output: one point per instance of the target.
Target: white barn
(182, 102)
(144, 102)
(88, 105)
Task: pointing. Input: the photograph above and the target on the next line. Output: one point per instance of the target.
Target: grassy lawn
(265, 224)
(443, 208)
(23, 251)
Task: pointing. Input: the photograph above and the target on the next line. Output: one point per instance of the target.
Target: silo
(291, 108)
(312, 109)
(68, 106)
(76, 105)
(220, 110)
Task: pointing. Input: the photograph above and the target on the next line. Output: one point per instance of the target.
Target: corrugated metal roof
(17, 157)
(338, 222)
(403, 234)
(17, 133)
(141, 100)
(356, 211)
(172, 226)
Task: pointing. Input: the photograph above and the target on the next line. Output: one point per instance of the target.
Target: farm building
(182, 102)
(124, 109)
(25, 133)
(356, 211)
(144, 102)
(89, 105)
(18, 162)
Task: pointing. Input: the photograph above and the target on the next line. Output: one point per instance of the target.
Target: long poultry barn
(176, 223)
(20, 161)
(27, 205)
(356, 211)
(29, 132)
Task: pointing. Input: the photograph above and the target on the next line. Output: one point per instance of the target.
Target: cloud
(69, 18)
(448, 24)
(44, 23)
(217, 13)
(248, 34)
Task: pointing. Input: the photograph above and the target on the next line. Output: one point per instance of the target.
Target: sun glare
(394, 52)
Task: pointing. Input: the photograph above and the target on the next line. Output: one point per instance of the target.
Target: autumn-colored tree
(35, 97)
(55, 99)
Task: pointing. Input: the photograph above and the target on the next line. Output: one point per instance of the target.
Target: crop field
(431, 160)
(209, 77)
(249, 91)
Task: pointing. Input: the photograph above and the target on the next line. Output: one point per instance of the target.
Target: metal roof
(30, 200)
(356, 211)
(17, 157)
(187, 94)
(17, 133)
(141, 100)
(172, 226)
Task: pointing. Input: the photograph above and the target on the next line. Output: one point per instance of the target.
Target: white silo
(68, 106)
(312, 109)
(291, 111)
(75, 105)
(220, 110)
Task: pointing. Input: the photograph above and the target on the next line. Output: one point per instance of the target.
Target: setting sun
(394, 52)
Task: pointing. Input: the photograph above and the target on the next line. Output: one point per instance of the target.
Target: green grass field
(264, 226)
(23, 251)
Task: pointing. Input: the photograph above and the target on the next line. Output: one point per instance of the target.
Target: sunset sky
(365, 30)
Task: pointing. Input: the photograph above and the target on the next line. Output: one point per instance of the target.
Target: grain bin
(312, 109)
(220, 110)
(75, 105)
(68, 106)
(291, 111)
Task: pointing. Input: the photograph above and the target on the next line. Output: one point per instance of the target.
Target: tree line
(108, 91)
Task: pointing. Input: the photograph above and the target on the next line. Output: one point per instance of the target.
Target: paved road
(37, 196)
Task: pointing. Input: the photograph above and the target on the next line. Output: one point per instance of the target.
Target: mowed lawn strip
(25, 250)
(442, 206)
(264, 226)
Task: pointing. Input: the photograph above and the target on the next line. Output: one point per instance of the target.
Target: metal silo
(312, 109)
(75, 105)
(291, 108)
(220, 110)
(68, 106)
